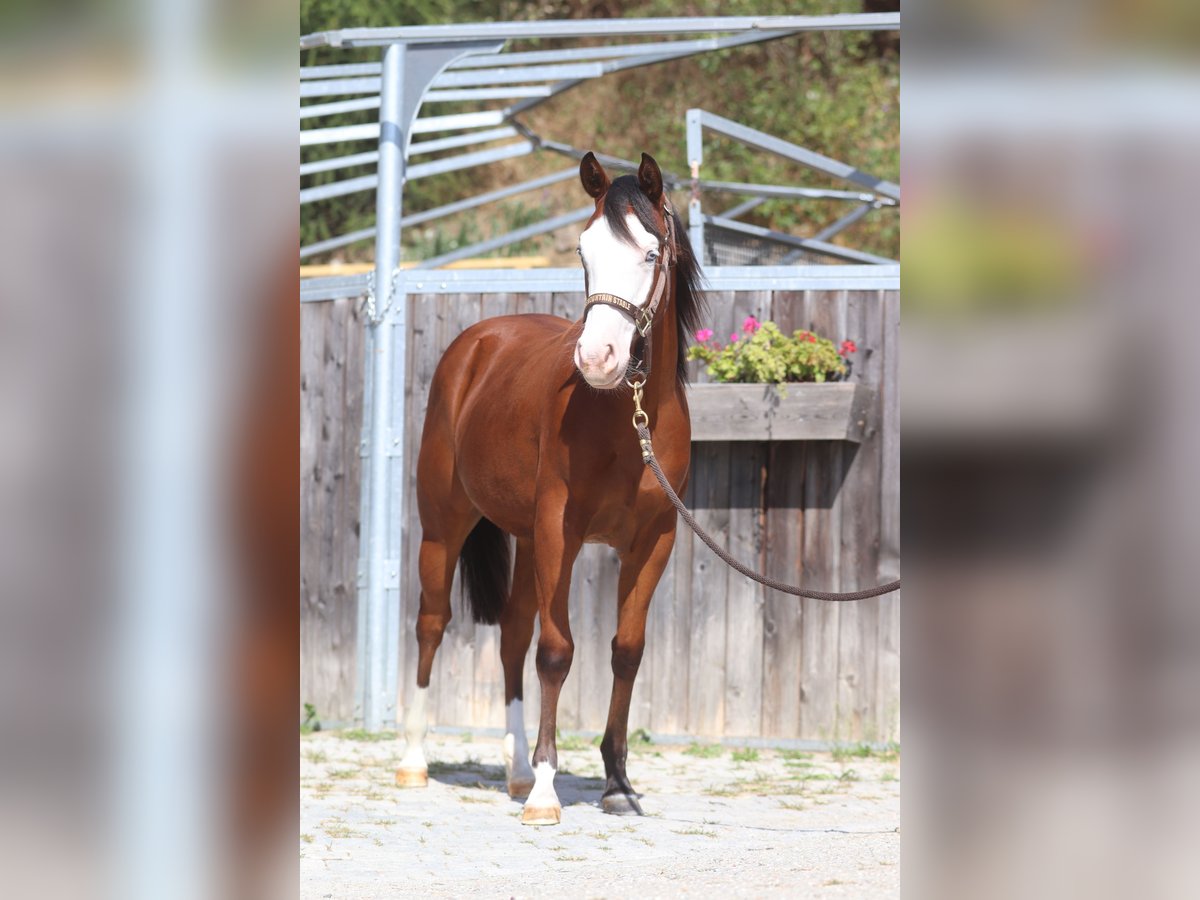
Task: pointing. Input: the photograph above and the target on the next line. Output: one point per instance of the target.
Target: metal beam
(803, 243)
(345, 70)
(762, 141)
(788, 192)
(333, 243)
(500, 93)
(340, 162)
(338, 189)
(517, 74)
(717, 278)
(481, 199)
(378, 37)
(339, 106)
(681, 50)
(314, 136)
(461, 140)
(577, 54)
(442, 211)
(511, 237)
(469, 160)
(334, 86)
(829, 231)
(744, 207)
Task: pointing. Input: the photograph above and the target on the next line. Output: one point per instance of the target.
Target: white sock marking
(415, 727)
(542, 795)
(516, 745)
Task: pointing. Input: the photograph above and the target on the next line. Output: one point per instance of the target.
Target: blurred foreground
(1050, 499)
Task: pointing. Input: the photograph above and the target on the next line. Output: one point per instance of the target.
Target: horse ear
(650, 178)
(592, 174)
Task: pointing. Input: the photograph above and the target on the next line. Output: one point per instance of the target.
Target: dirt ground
(719, 822)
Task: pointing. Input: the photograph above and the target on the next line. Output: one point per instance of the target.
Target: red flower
(847, 348)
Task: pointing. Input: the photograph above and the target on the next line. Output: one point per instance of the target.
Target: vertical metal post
(407, 73)
(695, 153)
(390, 310)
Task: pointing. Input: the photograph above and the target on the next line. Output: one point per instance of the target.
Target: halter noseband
(643, 317)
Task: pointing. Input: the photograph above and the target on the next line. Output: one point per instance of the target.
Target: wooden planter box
(834, 411)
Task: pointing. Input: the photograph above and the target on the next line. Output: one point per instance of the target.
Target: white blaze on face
(618, 268)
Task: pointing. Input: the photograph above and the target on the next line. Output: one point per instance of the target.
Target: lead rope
(641, 424)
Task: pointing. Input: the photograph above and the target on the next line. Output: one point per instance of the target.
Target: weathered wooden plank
(534, 303)
(706, 682)
(348, 421)
(832, 411)
(328, 485)
(821, 547)
(782, 632)
(888, 699)
(744, 598)
(858, 631)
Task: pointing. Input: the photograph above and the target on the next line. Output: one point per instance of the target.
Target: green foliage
(370, 737)
(704, 751)
(765, 355)
(639, 738)
(310, 722)
(746, 754)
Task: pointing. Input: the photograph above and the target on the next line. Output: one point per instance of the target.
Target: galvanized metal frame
(431, 64)
(885, 193)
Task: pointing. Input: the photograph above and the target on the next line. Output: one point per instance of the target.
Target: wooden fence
(724, 657)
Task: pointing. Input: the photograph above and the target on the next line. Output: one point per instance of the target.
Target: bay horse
(528, 434)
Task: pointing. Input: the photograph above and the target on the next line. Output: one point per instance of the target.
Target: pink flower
(704, 334)
(733, 337)
(847, 348)
(750, 325)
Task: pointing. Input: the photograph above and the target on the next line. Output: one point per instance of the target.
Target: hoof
(519, 788)
(620, 804)
(541, 815)
(412, 778)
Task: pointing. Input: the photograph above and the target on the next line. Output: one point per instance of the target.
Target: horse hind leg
(439, 553)
(516, 632)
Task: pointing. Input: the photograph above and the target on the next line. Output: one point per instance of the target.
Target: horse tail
(485, 563)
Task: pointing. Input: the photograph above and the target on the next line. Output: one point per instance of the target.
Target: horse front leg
(641, 569)
(554, 550)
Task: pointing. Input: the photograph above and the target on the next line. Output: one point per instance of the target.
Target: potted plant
(774, 386)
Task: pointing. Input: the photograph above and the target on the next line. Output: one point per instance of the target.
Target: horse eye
(652, 256)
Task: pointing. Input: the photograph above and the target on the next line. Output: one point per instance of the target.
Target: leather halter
(643, 316)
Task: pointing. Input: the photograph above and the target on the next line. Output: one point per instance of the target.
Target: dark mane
(625, 193)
